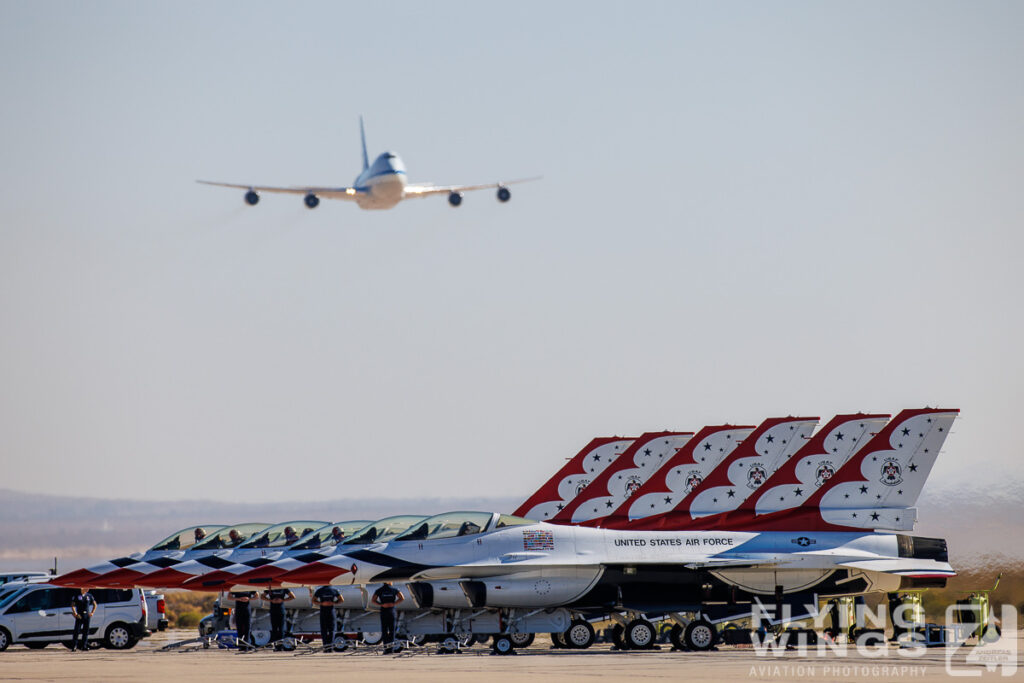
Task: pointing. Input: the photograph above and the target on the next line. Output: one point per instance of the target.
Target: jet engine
(251, 198)
(503, 194)
(311, 200)
(454, 198)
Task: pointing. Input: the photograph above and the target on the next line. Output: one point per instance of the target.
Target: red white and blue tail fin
(680, 474)
(878, 486)
(572, 478)
(625, 476)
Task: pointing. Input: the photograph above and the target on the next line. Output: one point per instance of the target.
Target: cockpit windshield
(512, 520)
(448, 525)
(383, 529)
(330, 535)
(189, 536)
(282, 535)
(231, 536)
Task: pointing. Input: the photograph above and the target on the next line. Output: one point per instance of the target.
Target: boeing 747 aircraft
(381, 185)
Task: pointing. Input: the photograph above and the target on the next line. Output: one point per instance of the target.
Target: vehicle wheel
(522, 639)
(118, 637)
(579, 635)
(503, 645)
(675, 635)
(699, 635)
(259, 637)
(340, 643)
(5, 639)
(372, 637)
(35, 646)
(640, 634)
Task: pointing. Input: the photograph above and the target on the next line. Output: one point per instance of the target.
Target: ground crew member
(326, 598)
(277, 597)
(386, 597)
(243, 618)
(83, 606)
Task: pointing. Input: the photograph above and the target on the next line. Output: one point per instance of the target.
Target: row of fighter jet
(726, 498)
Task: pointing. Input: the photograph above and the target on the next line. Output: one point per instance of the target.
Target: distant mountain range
(981, 526)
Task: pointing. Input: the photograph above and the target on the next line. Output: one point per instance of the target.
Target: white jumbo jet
(381, 185)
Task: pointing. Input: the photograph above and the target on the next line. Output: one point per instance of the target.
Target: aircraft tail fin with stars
(877, 487)
(572, 478)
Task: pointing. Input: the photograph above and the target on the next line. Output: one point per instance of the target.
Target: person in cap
(387, 597)
(326, 598)
(277, 597)
(83, 606)
(243, 618)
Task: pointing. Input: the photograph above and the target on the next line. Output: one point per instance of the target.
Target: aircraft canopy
(284, 534)
(189, 536)
(461, 523)
(224, 538)
(324, 537)
(383, 529)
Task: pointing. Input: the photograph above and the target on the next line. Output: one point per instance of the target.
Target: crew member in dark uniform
(386, 597)
(277, 597)
(326, 598)
(243, 618)
(83, 606)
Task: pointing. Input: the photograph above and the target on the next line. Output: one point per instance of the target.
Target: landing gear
(700, 635)
(579, 635)
(311, 201)
(503, 194)
(520, 640)
(251, 198)
(639, 634)
(454, 198)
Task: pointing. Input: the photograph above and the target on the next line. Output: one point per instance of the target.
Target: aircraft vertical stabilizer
(877, 487)
(362, 136)
(625, 476)
(680, 474)
(573, 477)
(738, 475)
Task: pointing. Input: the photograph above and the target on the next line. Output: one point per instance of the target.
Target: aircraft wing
(427, 189)
(349, 193)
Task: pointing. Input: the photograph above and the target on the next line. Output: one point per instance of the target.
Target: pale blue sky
(748, 209)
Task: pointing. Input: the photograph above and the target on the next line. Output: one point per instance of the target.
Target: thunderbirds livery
(811, 517)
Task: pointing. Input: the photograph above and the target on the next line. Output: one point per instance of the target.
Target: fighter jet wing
(348, 193)
(427, 189)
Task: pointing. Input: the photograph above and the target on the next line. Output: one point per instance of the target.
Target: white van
(38, 614)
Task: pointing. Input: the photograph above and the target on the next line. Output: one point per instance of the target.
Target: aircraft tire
(640, 634)
(579, 635)
(251, 198)
(520, 640)
(503, 645)
(700, 635)
(557, 641)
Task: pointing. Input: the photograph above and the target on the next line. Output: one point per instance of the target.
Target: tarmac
(537, 663)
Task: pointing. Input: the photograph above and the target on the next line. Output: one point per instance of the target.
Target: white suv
(36, 615)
